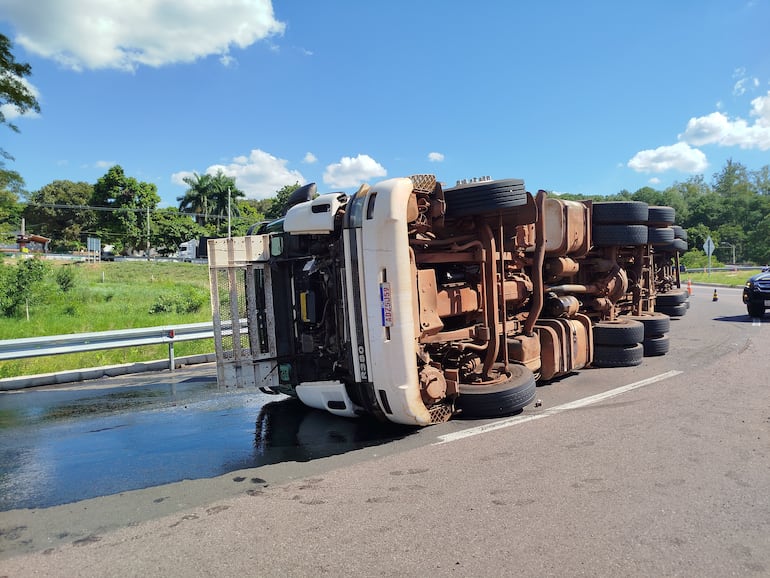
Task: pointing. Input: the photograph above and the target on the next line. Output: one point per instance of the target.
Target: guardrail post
(171, 364)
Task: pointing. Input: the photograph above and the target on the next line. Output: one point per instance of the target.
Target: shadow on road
(742, 319)
(289, 431)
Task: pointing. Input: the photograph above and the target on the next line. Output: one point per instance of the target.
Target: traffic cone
(689, 287)
(715, 297)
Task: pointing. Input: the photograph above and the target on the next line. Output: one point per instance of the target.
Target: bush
(186, 300)
(21, 283)
(65, 278)
(697, 259)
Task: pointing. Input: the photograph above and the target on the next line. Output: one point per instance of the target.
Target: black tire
(675, 246)
(654, 323)
(623, 235)
(500, 398)
(755, 310)
(672, 297)
(663, 216)
(618, 355)
(660, 236)
(617, 212)
(484, 197)
(654, 346)
(672, 310)
(623, 331)
(679, 232)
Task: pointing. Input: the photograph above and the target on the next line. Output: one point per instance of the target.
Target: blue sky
(579, 97)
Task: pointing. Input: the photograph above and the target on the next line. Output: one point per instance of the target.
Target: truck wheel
(677, 245)
(660, 236)
(658, 345)
(618, 355)
(672, 297)
(484, 197)
(616, 212)
(662, 216)
(680, 232)
(620, 332)
(654, 323)
(673, 310)
(610, 235)
(755, 310)
(503, 397)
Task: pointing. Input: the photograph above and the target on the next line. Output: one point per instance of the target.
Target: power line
(128, 209)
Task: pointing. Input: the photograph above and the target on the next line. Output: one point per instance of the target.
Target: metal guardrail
(81, 342)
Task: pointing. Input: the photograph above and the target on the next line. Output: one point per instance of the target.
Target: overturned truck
(414, 303)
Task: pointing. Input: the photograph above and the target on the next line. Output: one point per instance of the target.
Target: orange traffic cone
(689, 287)
(715, 297)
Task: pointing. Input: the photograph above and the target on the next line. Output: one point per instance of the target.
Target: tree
(209, 197)
(11, 188)
(64, 225)
(13, 90)
(277, 208)
(15, 93)
(195, 199)
(20, 284)
(129, 202)
(169, 229)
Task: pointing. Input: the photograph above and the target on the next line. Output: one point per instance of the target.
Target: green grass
(110, 296)
(728, 278)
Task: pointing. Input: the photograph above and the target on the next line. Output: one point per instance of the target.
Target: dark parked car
(756, 294)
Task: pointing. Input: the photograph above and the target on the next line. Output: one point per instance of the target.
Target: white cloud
(436, 157)
(104, 164)
(351, 172)
(654, 181)
(718, 128)
(680, 157)
(309, 159)
(98, 34)
(740, 86)
(260, 175)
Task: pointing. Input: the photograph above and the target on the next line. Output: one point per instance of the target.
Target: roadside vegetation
(54, 298)
(735, 278)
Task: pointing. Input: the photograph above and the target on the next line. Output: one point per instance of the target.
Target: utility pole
(229, 216)
(148, 232)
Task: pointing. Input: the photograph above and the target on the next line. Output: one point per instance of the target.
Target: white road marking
(586, 401)
(756, 322)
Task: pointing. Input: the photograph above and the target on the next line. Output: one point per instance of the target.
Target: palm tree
(209, 196)
(195, 199)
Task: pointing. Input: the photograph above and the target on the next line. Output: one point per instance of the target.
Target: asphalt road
(658, 470)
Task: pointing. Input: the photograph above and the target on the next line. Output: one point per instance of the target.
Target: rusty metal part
(430, 321)
(525, 350)
(537, 268)
(559, 267)
(491, 301)
(567, 345)
(433, 386)
(561, 305)
(451, 301)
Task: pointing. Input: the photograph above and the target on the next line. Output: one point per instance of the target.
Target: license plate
(767, 302)
(386, 304)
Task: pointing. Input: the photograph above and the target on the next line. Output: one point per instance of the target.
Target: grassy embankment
(728, 278)
(108, 296)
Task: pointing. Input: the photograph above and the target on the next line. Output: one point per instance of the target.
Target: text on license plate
(386, 304)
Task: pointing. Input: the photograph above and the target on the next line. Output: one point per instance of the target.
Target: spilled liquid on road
(61, 445)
